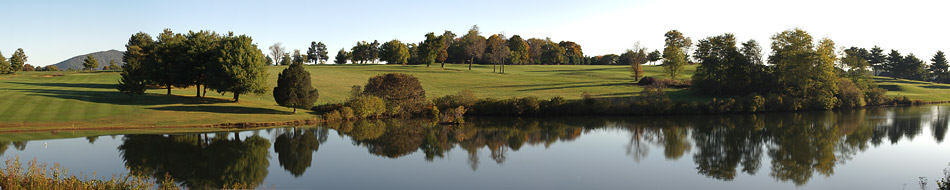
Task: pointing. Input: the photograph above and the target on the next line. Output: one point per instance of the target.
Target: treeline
(471, 48)
(225, 63)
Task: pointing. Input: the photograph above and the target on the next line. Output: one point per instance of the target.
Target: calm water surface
(883, 148)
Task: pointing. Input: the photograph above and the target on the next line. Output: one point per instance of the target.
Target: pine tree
(132, 81)
(4, 65)
(17, 60)
(939, 67)
(294, 89)
(341, 57)
(90, 63)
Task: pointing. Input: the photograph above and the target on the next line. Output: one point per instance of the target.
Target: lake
(877, 148)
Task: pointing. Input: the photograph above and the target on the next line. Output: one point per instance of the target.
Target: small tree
(90, 63)
(17, 60)
(655, 56)
(113, 66)
(294, 89)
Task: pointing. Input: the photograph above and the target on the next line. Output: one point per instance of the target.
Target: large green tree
(553, 54)
(394, 52)
(294, 89)
(17, 60)
(674, 53)
(720, 71)
(90, 63)
(803, 71)
(240, 68)
(939, 67)
(133, 79)
(520, 51)
(200, 51)
(429, 49)
(655, 56)
(164, 57)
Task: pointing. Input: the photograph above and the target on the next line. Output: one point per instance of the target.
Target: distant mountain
(103, 57)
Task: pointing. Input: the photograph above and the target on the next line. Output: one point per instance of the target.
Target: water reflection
(198, 161)
(794, 146)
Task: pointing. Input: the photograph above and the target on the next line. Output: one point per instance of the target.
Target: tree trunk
(169, 87)
(205, 94)
(470, 63)
(198, 86)
(295, 109)
(493, 67)
(237, 97)
(443, 65)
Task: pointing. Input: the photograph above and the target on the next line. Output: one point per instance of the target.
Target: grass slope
(38, 101)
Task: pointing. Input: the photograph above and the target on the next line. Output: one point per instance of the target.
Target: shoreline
(316, 120)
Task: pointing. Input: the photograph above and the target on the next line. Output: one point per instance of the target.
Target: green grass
(918, 90)
(37, 101)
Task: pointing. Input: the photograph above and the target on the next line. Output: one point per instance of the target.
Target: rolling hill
(103, 57)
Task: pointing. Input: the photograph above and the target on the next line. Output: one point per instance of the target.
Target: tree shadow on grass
(222, 109)
(899, 81)
(936, 87)
(70, 85)
(890, 87)
(117, 98)
(579, 86)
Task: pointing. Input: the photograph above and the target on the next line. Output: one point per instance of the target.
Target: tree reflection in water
(799, 145)
(198, 161)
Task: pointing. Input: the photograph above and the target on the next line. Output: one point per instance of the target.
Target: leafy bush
(403, 90)
(465, 98)
(347, 113)
(453, 115)
(754, 103)
(875, 96)
(368, 106)
(849, 94)
(647, 81)
(334, 115)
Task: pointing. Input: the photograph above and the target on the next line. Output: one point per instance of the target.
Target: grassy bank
(76, 101)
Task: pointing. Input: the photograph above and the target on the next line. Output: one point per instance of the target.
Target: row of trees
(91, 63)
(470, 48)
(316, 53)
(16, 62)
(808, 74)
(896, 65)
(224, 63)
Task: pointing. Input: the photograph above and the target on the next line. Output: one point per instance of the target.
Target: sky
(52, 31)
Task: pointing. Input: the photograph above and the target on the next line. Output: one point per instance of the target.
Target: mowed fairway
(44, 100)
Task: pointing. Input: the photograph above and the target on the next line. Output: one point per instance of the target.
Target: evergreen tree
(132, 79)
(17, 60)
(4, 65)
(90, 63)
(876, 59)
(112, 65)
(894, 64)
(286, 59)
(294, 89)
(312, 56)
(322, 52)
(240, 68)
(341, 57)
(939, 68)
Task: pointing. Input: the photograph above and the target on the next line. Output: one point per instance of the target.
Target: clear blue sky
(52, 31)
